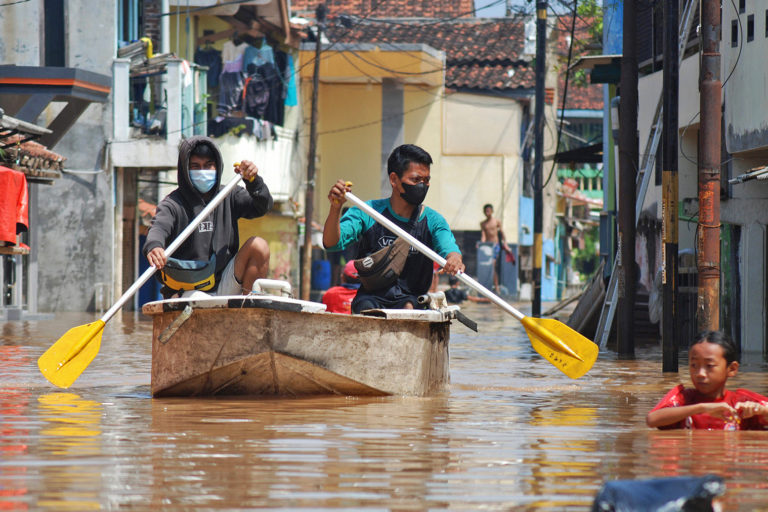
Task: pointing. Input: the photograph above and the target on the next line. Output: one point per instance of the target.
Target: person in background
(435, 277)
(490, 231)
(712, 359)
(338, 299)
(409, 173)
(216, 241)
(458, 295)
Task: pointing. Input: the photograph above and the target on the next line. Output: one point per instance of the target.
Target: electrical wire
(14, 3)
(738, 58)
(565, 95)
(741, 43)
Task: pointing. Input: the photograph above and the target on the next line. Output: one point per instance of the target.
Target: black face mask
(414, 194)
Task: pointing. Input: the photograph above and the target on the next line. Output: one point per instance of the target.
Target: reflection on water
(70, 434)
(512, 433)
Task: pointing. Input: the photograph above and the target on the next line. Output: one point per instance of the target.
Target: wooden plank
(13, 249)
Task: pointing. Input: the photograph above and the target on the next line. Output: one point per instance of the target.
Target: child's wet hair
(730, 350)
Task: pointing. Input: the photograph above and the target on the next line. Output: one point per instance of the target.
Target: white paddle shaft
(224, 192)
(429, 253)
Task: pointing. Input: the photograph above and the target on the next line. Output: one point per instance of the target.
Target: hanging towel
(291, 96)
(14, 205)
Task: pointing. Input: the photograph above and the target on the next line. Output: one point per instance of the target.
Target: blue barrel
(321, 275)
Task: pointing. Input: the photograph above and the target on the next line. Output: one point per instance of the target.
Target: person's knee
(257, 248)
(363, 304)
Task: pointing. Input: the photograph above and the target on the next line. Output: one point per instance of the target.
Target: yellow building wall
(349, 147)
(349, 140)
(474, 142)
(482, 125)
(422, 122)
(281, 235)
(480, 162)
(469, 182)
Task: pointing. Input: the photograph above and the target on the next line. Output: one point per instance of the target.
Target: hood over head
(185, 150)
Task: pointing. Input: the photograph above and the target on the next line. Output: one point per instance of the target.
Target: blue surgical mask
(203, 179)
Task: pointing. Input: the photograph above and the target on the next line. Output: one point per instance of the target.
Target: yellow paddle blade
(63, 363)
(569, 351)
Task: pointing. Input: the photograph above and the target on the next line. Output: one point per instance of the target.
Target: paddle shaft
(224, 192)
(429, 253)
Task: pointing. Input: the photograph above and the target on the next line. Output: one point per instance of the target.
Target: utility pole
(628, 164)
(669, 180)
(710, 89)
(538, 159)
(309, 197)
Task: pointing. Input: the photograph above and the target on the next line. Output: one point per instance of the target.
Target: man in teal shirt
(408, 168)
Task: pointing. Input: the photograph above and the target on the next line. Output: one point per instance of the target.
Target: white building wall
(481, 161)
(746, 123)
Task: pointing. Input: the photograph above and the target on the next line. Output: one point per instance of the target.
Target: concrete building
(743, 218)
(117, 114)
(59, 76)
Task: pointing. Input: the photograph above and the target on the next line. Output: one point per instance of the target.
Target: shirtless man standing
(490, 231)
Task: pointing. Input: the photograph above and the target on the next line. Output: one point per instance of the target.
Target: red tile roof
(480, 54)
(35, 150)
(388, 8)
(580, 96)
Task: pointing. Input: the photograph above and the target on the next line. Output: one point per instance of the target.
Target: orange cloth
(14, 204)
(338, 299)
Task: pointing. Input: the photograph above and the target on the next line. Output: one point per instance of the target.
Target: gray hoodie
(218, 233)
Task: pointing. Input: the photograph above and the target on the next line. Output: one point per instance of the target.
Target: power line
(565, 95)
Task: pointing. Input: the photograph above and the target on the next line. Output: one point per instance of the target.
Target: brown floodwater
(513, 433)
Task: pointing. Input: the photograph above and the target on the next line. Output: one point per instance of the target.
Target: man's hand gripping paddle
(569, 351)
(63, 363)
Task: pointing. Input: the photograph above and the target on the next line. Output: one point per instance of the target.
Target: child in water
(712, 358)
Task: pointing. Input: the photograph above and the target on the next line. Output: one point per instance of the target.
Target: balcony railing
(176, 106)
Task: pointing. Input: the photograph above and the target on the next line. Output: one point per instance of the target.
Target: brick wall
(151, 22)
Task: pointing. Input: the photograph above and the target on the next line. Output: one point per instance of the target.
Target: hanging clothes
(255, 96)
(230, 88)
(291, 92)
(231, 79)
(14, 205)
(275, 107)
(232, 56)
(211, 58)
(258, 56)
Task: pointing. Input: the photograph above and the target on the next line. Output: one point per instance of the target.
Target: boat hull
(265, 346)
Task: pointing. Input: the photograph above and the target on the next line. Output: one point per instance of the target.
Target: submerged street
(512, 433)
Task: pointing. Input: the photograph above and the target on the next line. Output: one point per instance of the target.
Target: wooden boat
(274, 345)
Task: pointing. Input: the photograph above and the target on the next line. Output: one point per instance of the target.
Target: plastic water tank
(321, 275)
